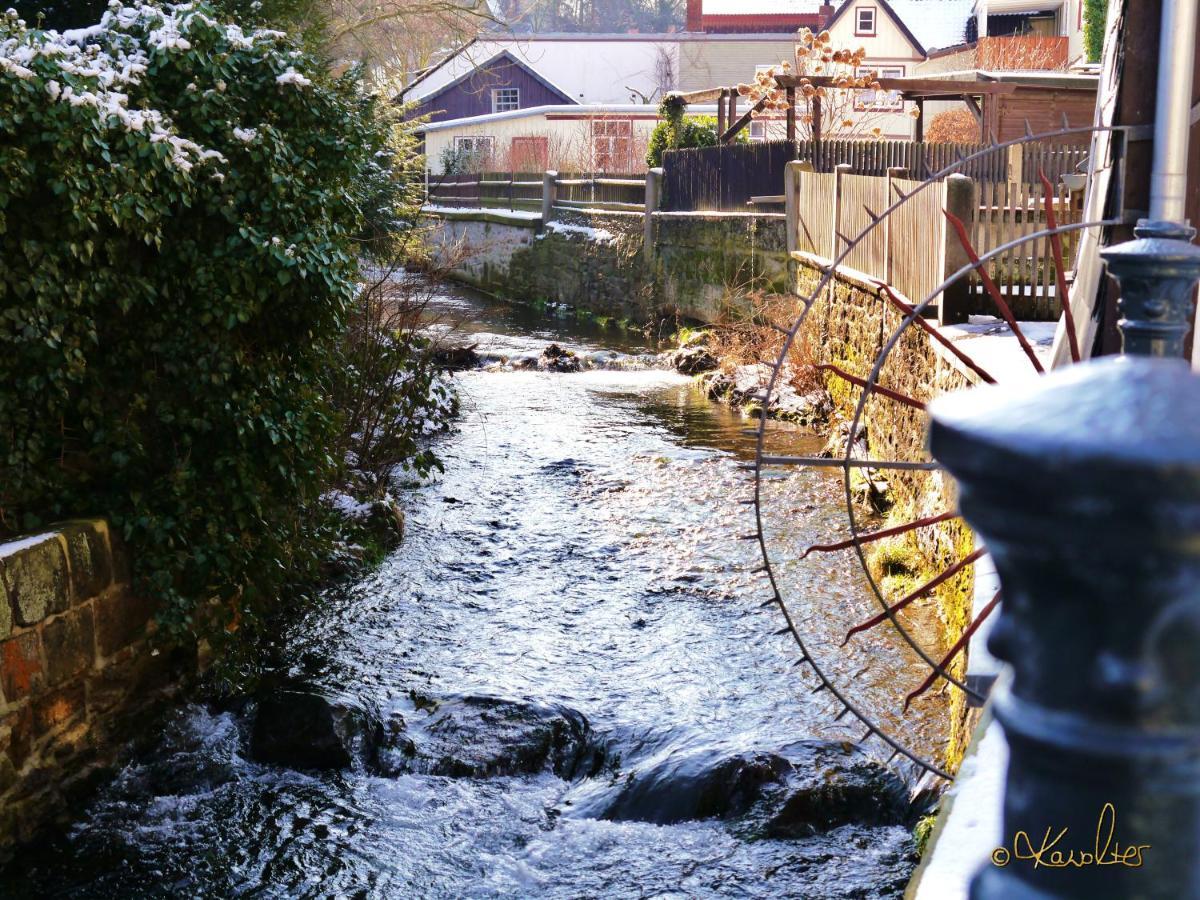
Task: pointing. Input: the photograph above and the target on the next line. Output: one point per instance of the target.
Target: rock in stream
(802, 789)
(479, 737)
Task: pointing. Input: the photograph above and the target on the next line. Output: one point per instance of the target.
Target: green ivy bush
(678, 131)
(179, 204)
(1095, 15)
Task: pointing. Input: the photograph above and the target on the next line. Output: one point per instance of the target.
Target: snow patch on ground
(599, 235)
(522, 214)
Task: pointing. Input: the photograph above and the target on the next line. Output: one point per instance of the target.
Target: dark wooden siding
(473, 95)
(1043, 108)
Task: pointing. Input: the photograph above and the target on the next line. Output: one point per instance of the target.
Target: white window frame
(866, 101)
(506, 99)
(480, 146)
(859, 31)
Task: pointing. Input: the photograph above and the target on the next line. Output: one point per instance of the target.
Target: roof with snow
(936, 23)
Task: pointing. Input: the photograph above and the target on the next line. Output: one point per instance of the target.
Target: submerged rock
(556, 359)
(692, 360)
(458, 358)
(300, 726)
(869, 486)
(802, 789)
(478, 737)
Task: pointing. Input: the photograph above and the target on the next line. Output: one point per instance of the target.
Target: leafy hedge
(178, 202)
(678, 131)
(1095, 14)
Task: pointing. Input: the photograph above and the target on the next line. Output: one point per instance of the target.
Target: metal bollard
(1158, 273)
(1086, 489)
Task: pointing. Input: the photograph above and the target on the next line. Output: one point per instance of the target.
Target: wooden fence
(1026, 275)
(485, 190)
(920, 161)
(914, 249)
(525, 190)
(724, 178)
(612, 191)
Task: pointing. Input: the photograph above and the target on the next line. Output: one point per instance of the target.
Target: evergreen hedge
(178, 202)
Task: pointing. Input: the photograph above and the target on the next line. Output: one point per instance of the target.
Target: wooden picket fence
(909, 248)
(1026, 275)
(923, 160)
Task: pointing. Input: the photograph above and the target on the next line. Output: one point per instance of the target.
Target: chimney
(695, 15)
(826, 13)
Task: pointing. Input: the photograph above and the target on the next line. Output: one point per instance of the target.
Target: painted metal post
(653, 201)
(1158, 271)
(790, 95)
(549, 196)
(1085, 487)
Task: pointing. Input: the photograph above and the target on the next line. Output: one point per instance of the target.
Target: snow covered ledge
(970, 824)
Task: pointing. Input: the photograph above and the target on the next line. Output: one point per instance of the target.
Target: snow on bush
(172, 294)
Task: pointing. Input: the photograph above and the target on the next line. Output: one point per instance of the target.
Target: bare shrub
(388, 388)
(954, 126)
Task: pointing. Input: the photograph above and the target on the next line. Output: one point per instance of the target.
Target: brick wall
(76, 670)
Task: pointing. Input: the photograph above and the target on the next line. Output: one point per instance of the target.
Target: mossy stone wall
(850, 331)
(701, 265)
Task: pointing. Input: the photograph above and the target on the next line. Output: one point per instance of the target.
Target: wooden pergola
(975, 93)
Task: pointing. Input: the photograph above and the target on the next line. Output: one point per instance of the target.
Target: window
(474, 153)
(506, 99)
(864, 20)
(758, 131)
(612, 144)
(879, 101)
(529, 154)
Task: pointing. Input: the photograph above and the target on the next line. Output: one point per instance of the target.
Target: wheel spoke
(954, 651)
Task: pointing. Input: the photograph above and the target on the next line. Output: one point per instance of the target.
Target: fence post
(549, 196)
(653, 197)
(791, 187)
(962, 200)
(1016, 164)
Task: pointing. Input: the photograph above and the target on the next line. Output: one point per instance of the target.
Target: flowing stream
(581, 550)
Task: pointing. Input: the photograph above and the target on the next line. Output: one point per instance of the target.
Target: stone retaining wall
(76, 671)
(595, 260)
(850, 332)
(709, 261)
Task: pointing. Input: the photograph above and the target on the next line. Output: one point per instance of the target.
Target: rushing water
(580, 549)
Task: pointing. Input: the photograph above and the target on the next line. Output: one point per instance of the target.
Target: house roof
(936, 23)
(429, 70)
(576, 110)
(501, 56)
(887, 8)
